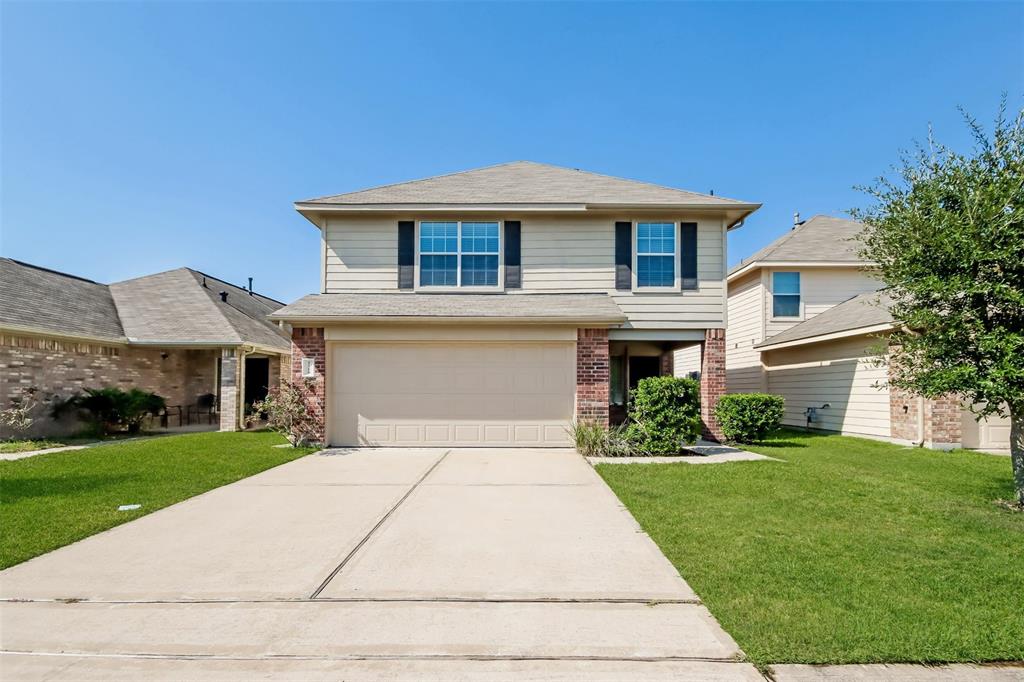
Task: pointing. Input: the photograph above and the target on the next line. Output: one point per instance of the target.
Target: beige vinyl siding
(820, 289)
(361, 253)
(568, 254)
(686, 359)
(746, 327)
(842, 373)
(560, 253)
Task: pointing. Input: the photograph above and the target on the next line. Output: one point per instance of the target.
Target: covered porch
(635, 355)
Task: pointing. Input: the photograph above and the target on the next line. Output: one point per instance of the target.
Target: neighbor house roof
(861, 314)
(184, 306)
(821, 239)
(521, 308)
(526, 182)
(32, 297)
(180, 306)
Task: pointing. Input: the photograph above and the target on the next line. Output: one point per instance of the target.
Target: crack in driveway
(387, 515)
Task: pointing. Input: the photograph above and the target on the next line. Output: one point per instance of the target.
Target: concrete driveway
(371, 564)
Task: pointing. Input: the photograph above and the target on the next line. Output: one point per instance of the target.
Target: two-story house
(807, 322)
(497, 305)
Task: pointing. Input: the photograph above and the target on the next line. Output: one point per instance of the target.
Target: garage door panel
(452, 394)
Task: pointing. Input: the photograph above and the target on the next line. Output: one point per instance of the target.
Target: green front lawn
(850, 550)
(50, 500)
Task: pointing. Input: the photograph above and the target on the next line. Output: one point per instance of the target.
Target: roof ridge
(237, 286)
(411, 182)
(52, 271)
(633, 180)
(526, 162)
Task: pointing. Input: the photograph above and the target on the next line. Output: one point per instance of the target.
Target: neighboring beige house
(198, 341)
(497, 305)
(806, 322)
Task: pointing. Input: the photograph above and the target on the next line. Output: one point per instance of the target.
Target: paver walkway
(371, 564)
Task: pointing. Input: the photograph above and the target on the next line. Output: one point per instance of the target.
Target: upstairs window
(785, 294)
(454, 254)
(479, 254)
(655, 255)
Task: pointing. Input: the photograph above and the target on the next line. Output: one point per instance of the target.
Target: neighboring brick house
(181, 334)
(495, 306)
(806, 321)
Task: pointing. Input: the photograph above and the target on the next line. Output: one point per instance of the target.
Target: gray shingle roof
(513, 307)
(820, 239)
(859, 312)
(176, 307)
(38, 298)
(525, 182)
(168, 307)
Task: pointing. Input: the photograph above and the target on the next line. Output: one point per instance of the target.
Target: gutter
(425, 319)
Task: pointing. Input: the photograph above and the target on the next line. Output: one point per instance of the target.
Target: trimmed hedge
(749, 417)
(664, 413)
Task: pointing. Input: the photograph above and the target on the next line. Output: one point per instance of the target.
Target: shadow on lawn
(49, 486)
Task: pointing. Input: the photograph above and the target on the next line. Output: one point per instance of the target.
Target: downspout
(920, 421)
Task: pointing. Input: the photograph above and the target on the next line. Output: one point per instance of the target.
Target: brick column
(712, 381)
(308, 342)
(943, 423)
(229, 387)
(592, 376)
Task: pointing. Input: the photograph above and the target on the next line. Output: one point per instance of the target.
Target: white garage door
(458, 394)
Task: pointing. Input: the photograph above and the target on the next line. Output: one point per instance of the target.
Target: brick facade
(941, 420)
(943, 423)
(903, 415)
(62, 368)
(712, 381)
(309, 342)
(592, 375)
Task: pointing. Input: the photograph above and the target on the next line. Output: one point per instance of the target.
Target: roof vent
(250, 286)
(224, 296)
(796, 219)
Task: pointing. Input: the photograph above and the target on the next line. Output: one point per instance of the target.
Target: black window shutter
(624, 256)
(513, 264)
(406, 254)
(688, 251)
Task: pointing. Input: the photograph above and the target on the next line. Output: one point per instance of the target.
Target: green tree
(947, 233)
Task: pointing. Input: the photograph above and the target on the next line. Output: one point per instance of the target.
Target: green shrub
(594, 440)
(749, 417)
(111, 409)
(664, 413)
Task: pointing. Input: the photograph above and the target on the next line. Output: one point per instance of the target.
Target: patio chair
(205, 406)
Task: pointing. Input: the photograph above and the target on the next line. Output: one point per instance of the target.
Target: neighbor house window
(656, 254)
(785, 294)
(459, 254)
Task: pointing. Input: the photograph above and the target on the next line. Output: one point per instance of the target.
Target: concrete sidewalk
(371, 564)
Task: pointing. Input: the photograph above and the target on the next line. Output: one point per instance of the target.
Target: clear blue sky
(138, 137)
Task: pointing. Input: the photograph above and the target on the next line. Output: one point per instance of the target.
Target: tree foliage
(947, 233)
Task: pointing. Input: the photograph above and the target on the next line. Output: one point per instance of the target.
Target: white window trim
(771, 286)
(677, 286)
(480, 288)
